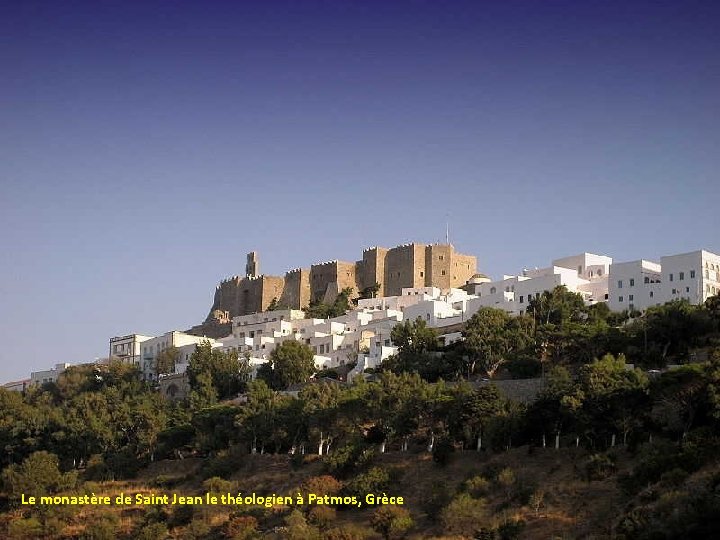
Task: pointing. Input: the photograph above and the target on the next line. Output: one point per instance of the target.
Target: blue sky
(145, 147)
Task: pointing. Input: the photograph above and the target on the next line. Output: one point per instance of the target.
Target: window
(646, 280)
(522, 300)
(620, 299)
(493, 290)
(441, 257)
(632, 282)
(687, 289)
(651, 294)
(674, 291)
(631, 297)
(422, 274)
(692, 274)
(443, 272)
(620, 284)
(606, 296)
(682, 276)
(671, 277)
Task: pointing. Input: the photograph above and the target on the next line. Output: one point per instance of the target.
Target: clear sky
(146, 146)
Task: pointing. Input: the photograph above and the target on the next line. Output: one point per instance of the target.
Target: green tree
(203, 394)
(38, 475)
(492, 336)
(228, 372)
(291, 362)
(370, 292)
(391, 521)
(557, 307)
(166, 360)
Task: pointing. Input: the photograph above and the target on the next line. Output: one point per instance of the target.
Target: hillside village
(252, 315)
(400, 397)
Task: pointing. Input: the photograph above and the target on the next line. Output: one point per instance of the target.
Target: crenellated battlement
(406, 265)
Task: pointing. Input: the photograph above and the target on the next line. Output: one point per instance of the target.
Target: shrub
(347, 459)
(478, 486)
(464, 515)
(241, 527)
(391, 521)
(25, 529)
(181, 515)
(225, 463)
(153, 531)
(442, 451)
(435, 499)
(321, 516)
(510, 530)
(345, 532)
(218, 486)
(103, 527)
(375, 480)
(321, 485)
(97, 469)
(506, 480)
(600, 466)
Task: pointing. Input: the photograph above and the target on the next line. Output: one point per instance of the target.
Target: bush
(241, 527)
(123, 464)
(435, 499)
(321, 516)
(103, 527)
(524, 368)
(181, 515)
(510, 530)
(97, 469)
(600, 467)
(391, 521)
(506, 480)
(225, 463)
(442, 451)
(376, 480)
(464, 515)
(348, 459)
(25, 529)
(478, 486)
(218, 486)
(674, 478)
(345, 532)
(321, 485)
(153, 531)
(37, 475)
(657, 459)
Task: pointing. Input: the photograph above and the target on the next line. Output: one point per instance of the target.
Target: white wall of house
(693, 276)
(127, 348)
(47, 376)
(634, 285)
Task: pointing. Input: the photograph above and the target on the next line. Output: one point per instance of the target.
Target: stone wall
(409, 265)
(296, 293)
(404, 267)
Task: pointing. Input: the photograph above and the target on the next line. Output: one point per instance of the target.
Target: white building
(154, 346)
(585, 274)
(17, 386)
(693, 276)
(127, 348)
(635, 285)
(47, 376)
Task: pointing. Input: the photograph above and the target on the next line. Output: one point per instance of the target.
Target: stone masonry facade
(408, 265)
